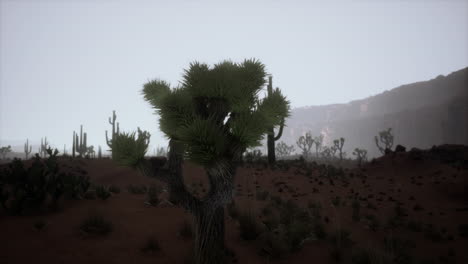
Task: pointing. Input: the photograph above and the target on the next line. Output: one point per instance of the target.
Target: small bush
(102, 192)
(135, 189)
(96, 225)
(114, 189)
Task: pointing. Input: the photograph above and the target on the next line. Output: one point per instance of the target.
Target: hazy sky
(66, 63)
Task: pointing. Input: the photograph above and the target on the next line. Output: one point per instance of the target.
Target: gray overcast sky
(66, 63)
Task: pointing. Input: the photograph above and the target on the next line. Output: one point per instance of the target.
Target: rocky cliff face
(421, 115)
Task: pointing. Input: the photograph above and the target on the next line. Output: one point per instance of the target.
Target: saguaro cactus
(27, 148)
(44, 147)
(386, 138)
(271, 138)
(79, 143)
(114, 130)
(99, 153)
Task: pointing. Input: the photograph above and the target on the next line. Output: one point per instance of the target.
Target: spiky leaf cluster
(216, 112)
(130, 148)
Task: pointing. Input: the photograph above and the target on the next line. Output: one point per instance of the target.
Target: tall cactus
(44, 147)
(114, 131)
(271, 138)
(99, 152)
(79, 143)
(27, 148)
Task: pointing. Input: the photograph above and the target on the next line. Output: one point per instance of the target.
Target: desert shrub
(114, 189)
(96, 224)
(153, 194)
(25, 189)
(135, 189)
(273, 245)
(249, 226)
(102, 192)
(151, 245)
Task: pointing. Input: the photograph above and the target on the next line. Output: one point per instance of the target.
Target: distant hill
(421, 115)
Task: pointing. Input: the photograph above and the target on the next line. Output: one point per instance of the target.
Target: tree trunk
(209, 236)
(271, 147)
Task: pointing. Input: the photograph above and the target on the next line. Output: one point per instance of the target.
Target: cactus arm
(280, 132)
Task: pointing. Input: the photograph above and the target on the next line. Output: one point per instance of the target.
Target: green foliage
(305, 144)
(128, 149)
(386, 138)
(216, 112)
(96, 224)
(283, 149)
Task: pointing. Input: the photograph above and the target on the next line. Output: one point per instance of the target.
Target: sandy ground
(439, 189)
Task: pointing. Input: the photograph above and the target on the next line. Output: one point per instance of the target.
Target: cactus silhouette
(27, 148)
(115, 131)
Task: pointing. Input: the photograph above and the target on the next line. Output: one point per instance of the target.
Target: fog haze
(67, 63)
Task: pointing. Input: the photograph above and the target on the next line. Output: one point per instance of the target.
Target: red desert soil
(439, 189)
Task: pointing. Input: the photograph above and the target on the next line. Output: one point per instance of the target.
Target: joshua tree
(327, 152)
(283, 149)
(305, 144)
(209, 119)
(271, 138)
(27, 148)
(361, 155)
(386, 138)
(114, 130)
(318, 144)
(4, 151)
(338, 145)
